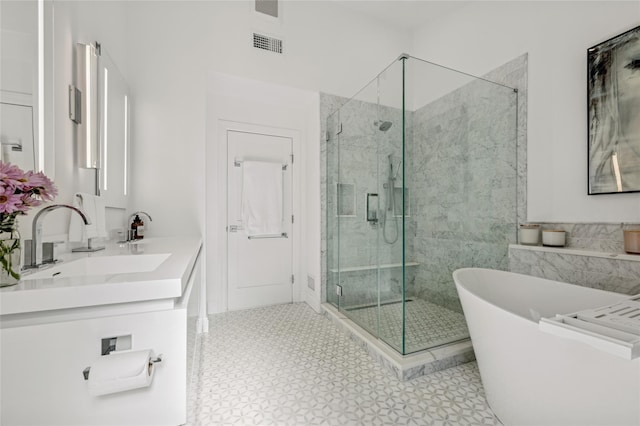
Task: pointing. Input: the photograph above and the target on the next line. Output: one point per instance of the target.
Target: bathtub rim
(461, 273)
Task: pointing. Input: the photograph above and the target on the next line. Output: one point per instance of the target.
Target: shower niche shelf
(372, 267)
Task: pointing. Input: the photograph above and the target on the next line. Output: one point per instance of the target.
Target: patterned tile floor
(287, 365)
(427, 324)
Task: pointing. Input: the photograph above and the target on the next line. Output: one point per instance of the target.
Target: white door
(260, 267)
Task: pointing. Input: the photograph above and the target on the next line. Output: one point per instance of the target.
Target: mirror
(26, 134)
(114, 112)
(99, 105)
(17, 129)
(18, 82)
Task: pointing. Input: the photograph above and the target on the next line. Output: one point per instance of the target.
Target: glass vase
(10, 252)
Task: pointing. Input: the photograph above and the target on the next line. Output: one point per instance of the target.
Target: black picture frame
(613, 99)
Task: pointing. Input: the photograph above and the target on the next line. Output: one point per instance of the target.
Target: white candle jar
(553, 238)
(529, 234)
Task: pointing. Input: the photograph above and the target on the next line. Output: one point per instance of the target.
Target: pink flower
(39, 184)
(20, 191)
(10, 203)
(11, 175)
(27, 202)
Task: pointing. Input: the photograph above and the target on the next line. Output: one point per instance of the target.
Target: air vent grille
(267, 43)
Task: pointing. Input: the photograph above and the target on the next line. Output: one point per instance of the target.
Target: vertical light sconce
(87, 84)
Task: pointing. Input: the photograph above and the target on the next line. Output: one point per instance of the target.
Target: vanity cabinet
(42, 371)
(52, 329)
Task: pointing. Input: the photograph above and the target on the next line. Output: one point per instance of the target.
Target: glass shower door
(391, 249)
(357, 200)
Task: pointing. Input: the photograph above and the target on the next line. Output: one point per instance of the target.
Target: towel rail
(236, 228)
(238, 163)
(258, 237)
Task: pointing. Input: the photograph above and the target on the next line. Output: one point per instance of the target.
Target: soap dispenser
(137, 226)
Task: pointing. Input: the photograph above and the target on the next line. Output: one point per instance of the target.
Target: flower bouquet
(19, 191)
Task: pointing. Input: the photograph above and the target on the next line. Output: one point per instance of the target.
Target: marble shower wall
(464, 184)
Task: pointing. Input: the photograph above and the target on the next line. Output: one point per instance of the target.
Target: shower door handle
(235, 228)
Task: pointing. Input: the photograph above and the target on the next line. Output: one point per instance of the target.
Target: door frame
(225, 126)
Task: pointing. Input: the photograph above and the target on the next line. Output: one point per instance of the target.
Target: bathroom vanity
(58, 321)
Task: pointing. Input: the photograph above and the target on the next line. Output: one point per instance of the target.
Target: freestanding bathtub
(535, 378)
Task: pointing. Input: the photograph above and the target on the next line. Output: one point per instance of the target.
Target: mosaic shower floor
(287, 365)
(427, 325)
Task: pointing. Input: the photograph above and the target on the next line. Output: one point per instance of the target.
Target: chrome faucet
(36, 232)
(130, 235)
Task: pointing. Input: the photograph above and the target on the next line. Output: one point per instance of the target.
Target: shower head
(382, 125)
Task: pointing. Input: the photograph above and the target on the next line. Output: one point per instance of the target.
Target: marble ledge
(577, 252)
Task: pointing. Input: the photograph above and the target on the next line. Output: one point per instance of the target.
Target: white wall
(250, 102)
(172, 46)
(556, 35)
(175, 46)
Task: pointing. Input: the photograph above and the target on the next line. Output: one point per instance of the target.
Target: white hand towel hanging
(93, 207)
(262, 198)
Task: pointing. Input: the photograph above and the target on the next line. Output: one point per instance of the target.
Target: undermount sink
(102, 265)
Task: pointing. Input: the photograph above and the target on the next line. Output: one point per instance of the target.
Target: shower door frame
(335, 130)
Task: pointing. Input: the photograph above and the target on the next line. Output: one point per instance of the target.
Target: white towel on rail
(93, 207)
(262, 198)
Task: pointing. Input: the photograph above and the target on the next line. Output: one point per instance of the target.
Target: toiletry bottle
(134, 227)
(140, 228)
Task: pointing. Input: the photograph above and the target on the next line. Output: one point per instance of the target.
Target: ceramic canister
(632, 241)
(529, 234)
(553, 237)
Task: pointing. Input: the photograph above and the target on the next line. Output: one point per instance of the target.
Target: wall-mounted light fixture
(87, 84)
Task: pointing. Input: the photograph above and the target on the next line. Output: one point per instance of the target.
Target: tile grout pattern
(427, 324)
(287, 365)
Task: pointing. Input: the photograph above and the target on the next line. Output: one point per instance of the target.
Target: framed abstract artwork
(613, 95)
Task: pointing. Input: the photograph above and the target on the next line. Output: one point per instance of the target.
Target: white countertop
(167, 281)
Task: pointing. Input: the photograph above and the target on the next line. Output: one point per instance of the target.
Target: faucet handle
(49, 251)
(27, 253)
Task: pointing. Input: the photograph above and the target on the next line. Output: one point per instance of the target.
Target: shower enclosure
(421, 181)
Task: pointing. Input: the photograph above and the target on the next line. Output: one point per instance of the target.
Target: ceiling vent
(268, 7)
(267, 43)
